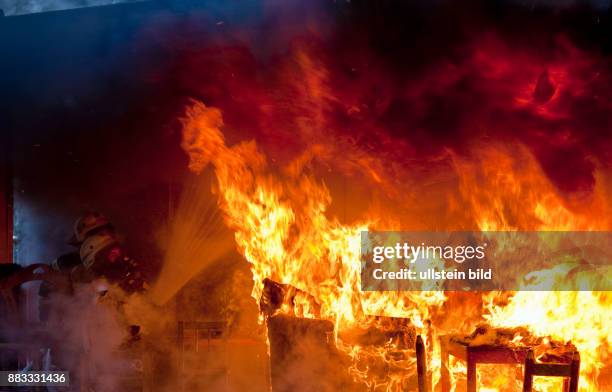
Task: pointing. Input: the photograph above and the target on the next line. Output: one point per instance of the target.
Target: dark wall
(87, 129)
(6, 203)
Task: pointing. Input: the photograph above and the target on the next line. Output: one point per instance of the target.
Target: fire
(507, 190)
(580, 317)
(525, 199)
(282, 226)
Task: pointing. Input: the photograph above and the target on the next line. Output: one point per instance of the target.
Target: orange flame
(283, 229)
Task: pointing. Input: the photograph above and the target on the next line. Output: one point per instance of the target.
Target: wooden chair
(571, 372)
(285, 331)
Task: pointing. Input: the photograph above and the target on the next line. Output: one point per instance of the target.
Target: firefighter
(63, 264)
(97, 255)
(87, 224)
(101, 256)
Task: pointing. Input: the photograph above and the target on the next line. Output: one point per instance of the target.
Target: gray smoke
(22, 7)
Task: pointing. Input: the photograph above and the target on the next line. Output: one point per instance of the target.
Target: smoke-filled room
(306, 195)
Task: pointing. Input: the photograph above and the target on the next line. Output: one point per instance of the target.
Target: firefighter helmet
(94, 245)
(87, 223)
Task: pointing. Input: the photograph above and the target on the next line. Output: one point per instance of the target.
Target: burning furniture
(570, 371)
(307, 346)
(499, 346)
(302, 354)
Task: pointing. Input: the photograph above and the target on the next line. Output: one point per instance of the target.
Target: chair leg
(528, 376)
(421, 364)
(575, 374)
(471, 375)
(444, 374)
(566, 384)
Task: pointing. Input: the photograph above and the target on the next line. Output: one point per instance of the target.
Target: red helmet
(86, 224)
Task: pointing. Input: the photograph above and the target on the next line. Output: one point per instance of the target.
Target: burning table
(507, 346)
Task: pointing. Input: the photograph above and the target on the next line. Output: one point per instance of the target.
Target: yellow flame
(283, 230)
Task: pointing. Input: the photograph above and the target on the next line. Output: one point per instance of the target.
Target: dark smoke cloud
(397, 84)
(407, 82)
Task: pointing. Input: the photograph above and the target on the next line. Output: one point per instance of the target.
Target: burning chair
(306, 346)
(570, 371)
